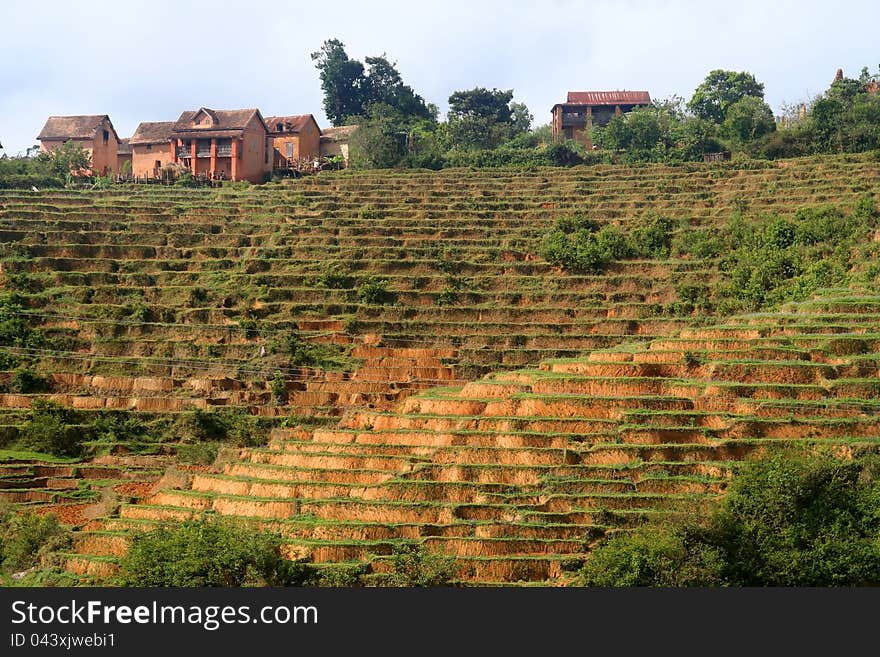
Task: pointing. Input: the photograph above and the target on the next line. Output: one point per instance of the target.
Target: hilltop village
(216, 144)
(245, 145)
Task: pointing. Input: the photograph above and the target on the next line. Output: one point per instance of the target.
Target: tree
(480, 118)
(385, 85)
(27, 539)
(747, 119)
(343, 82)
(209, 553)
(720, 90)
(68, 160)
(520, 118)
(787, 520)
(413, 566)
(350, 89)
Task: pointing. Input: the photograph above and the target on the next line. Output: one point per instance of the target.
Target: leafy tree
(28, 538)
(787, 520)
(480, 118)
(720, 90)
(381, 139)
(343, 82)
(70, 160)
(385, 85)
(350, 88)
(747, 119)
(520, 118)
(52, 428)
(414, 566)
(209, 553)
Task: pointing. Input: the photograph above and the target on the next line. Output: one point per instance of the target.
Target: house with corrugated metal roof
(575, 118)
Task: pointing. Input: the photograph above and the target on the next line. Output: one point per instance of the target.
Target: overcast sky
(151, 59)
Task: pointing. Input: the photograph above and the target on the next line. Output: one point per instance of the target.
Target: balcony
(574, 119)
(204, 150)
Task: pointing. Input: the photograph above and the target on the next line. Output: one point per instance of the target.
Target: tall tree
(480, 118)
(386, 86)
(720, 90)
(350, 88)
(748, 119)
(346, 89)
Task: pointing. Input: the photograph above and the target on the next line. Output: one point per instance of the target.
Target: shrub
(27, 539)
(24, 380)
(374, 291)
(336, 277)
(652, 237)
(186, 180)
(412, 565)
(788, 520)
(29, 180)
(447, 297)
(209, 553)
(51, 428)
(279, 387)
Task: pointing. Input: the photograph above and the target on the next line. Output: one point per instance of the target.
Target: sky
(151, 60)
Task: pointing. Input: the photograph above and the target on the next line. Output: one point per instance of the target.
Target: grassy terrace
(491, 404)
(519, 473)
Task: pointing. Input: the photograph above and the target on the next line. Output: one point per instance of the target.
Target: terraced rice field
(498, 409)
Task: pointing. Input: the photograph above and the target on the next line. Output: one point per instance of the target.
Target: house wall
(144, 156)
(330, 148)
(121, 159)
(255, 160)
(306, 143)
(279, 148)
(103, 156)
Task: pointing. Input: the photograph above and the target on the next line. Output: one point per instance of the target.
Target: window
(106, 136)
(289, 149)
(149, 147)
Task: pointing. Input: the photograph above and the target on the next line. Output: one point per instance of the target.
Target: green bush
(788, 520)
(414, 566)
(24, 380)
(52, 428)
(279, 387)
(233, 425)
(652, 237)
(374, 291)
(209, 553)
(336, 277)
(28, 539)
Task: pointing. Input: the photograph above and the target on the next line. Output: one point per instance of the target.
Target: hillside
(479, 400)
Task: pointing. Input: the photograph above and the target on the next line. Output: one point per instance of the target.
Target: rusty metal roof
(609, 97)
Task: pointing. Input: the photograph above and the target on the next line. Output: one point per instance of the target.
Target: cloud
(140, 62)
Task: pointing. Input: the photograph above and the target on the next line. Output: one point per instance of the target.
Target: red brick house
(230, 144)
(575, 118)
(293, 138)
(151, 148)
(95, 133)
